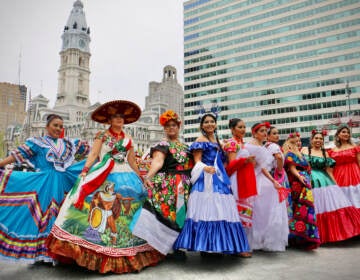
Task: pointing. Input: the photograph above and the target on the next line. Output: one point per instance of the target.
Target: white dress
(269, 231)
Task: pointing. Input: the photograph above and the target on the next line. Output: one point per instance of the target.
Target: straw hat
(130, 111)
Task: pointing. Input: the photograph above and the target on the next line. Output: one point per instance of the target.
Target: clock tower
(74, 71)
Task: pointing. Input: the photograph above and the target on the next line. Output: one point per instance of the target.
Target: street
(331, 261)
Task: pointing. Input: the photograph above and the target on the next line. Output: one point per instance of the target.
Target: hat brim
(129, 110)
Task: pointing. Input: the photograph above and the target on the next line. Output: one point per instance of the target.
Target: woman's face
(261, 134)
(55, 127)
(298, 142)
(208, 125)
(171, 129)
(317, 141)
(117, 121)
(239, 130)
(273, 136)
(344, 135)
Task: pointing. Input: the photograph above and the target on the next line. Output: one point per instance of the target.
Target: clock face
(81, 43)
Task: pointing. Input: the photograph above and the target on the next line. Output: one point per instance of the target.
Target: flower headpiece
(214, 111)
(256, 127)
(294, 134)
(322, 132)
(168, 116)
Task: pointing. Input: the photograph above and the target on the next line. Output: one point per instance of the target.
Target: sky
(131, 42)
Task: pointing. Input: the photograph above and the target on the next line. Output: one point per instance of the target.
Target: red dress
(347, 173)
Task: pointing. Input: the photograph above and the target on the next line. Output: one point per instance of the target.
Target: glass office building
(293, 63)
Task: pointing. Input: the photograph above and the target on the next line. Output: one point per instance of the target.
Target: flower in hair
(294, 134)
(167, 116)
(214, 110)
(322, 132)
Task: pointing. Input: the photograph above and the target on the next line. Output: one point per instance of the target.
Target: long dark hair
(322, 148)
(215, 132)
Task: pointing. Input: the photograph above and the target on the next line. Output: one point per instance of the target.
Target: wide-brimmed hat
(129, 110)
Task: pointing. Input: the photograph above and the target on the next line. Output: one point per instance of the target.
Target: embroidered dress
(303, 227)
(163, 213)
(347, 173)
(243, 180)
(30, 201)
(212, 222)
(270, 229)
(93, 224)
(337, 218)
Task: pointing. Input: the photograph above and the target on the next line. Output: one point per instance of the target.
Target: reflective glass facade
(295, 64)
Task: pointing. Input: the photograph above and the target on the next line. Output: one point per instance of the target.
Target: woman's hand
(251, 159)
(302, 179)
(277, 185)
(210, 169)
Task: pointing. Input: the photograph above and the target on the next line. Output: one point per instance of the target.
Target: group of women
(213, 197)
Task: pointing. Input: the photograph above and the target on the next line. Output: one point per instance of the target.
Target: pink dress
(347, 173)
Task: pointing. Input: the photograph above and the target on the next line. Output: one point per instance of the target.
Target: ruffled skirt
(98, 236)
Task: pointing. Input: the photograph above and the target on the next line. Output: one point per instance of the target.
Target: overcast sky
(131, 42)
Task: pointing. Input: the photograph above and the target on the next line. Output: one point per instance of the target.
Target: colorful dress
(336, 218)
(163, 213)
(347, 173)
(304, 232)
(93, 224)
(212, 222)
(30, 201)
(269, 229)
(243, 180)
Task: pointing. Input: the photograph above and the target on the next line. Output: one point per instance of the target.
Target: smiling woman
(30, 201)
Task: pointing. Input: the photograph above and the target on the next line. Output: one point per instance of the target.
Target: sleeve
(198, 146)
(25, 152)
(162, 146)
(230, 146)
(82, 148)
(274, 149)
(330, 162)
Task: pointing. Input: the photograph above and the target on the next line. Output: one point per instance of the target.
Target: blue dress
(212, 221)
(30, 201)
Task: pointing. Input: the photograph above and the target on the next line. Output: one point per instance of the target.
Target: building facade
(295, 64)
(72, 101)
(12, 114)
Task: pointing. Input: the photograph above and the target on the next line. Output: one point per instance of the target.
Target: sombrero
(128, 109)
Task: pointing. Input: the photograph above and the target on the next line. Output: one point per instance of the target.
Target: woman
(212, 222)
(278, 171)
(337, 219)
(93, 225)
(347, 168)
(269, 231)
(30, 201)
(168, 183)
(303, 227)
(240, 168)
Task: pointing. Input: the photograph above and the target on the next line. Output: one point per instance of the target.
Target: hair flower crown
(322, 132)
(214, 110)
(168, 116)
(294, 134)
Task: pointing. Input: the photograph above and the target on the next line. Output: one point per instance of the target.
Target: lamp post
(348, 92)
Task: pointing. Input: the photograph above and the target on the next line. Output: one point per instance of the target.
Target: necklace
(117, 135)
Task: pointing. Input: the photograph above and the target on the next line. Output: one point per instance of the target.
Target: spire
(76, 32)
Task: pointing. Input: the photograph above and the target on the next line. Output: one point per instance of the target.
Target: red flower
(300, 226)
(165, 209)
(303, 211)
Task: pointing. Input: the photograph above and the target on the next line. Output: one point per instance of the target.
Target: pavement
(335, 261)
